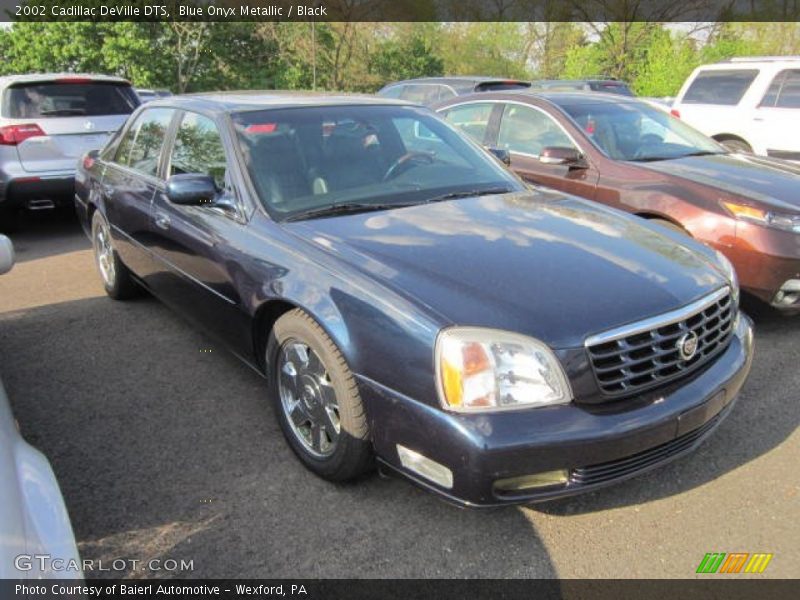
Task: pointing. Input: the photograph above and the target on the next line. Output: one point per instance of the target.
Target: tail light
(12, 135)
(675, 113)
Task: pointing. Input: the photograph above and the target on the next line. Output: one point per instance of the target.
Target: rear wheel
(117, 279)
(737, 146)
(317, 400)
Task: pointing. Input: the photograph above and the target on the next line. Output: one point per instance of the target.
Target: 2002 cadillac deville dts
(412, 301)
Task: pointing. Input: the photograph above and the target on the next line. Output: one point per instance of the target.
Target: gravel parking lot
(166, 448)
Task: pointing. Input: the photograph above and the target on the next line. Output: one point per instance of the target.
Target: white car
(36, 539)
(748, 104)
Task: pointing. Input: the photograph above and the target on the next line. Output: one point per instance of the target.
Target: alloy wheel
(308, 399)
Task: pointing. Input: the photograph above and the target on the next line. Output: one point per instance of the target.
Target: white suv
(748, 104)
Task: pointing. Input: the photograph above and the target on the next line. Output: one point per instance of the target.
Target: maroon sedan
(630, 155)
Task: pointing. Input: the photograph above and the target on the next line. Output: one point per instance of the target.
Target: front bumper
(765, 260)
(598, 445)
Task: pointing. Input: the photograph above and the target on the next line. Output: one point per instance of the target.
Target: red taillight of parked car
(675, 113)
(12, 135)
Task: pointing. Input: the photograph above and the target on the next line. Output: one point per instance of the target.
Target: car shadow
(47, 234)
(765, 415)
(166, 448)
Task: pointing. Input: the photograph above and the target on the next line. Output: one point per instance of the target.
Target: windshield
(639, 132)
(306, 159)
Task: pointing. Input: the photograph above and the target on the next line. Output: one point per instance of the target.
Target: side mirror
(191, 189)
(501, 154)
(556, 155)
(6, 254)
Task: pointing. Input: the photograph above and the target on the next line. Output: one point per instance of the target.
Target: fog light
(527, 482)
(788, 295)
(425, 467)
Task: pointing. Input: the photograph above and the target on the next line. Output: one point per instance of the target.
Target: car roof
(454, 79)
(46, 77)
(226, 102)
(554, 97)
(589, 80)
(742, 63)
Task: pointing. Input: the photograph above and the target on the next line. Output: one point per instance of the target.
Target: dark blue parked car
(411, 301)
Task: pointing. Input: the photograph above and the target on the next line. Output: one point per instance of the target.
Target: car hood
(551, 266)
(766, 180)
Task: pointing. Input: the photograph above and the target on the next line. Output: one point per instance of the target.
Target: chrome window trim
(658, 321)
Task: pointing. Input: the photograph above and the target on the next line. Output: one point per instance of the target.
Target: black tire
(9, 220)
(671, 226)
(120, 284)
(352, 455)
(737, 146)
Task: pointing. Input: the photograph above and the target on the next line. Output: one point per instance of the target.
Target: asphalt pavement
(166, 448)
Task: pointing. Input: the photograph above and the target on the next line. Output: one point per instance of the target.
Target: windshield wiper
(657, 158)
(469, 194)
(344, 208)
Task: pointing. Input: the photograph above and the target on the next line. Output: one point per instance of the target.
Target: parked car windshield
(67, 99)
(639, 132)
(302, 160)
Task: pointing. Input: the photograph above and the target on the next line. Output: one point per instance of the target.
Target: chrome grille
(648, 354)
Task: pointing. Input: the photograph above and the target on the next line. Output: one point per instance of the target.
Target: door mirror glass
(558, 155)
(191, 189)
(501, 154)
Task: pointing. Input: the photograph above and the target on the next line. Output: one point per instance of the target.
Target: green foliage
(405, 59)
(668, 60)
(196, 56)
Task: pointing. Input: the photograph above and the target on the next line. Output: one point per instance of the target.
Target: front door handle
(162, 220)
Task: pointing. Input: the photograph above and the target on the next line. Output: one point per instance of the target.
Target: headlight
(767, 218)
(730, 274)
(484, 370)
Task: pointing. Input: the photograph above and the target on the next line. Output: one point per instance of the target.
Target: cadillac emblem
(687, 345)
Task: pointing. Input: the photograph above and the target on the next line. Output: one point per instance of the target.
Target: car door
(778, 117)
(525, 131)
(198, 264)
(130, 181)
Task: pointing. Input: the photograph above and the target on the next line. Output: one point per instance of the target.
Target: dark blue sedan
(412, 302)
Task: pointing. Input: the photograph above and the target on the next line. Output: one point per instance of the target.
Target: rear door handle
(162, 220)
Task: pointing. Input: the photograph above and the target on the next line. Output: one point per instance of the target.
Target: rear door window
(720, 86)
(784, 91)
(140, 147)
(67, 99)
(422, 93)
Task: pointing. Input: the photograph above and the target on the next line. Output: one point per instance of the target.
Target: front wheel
(117, 279)
(317, 400)
(737, 146)
(671, 226)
